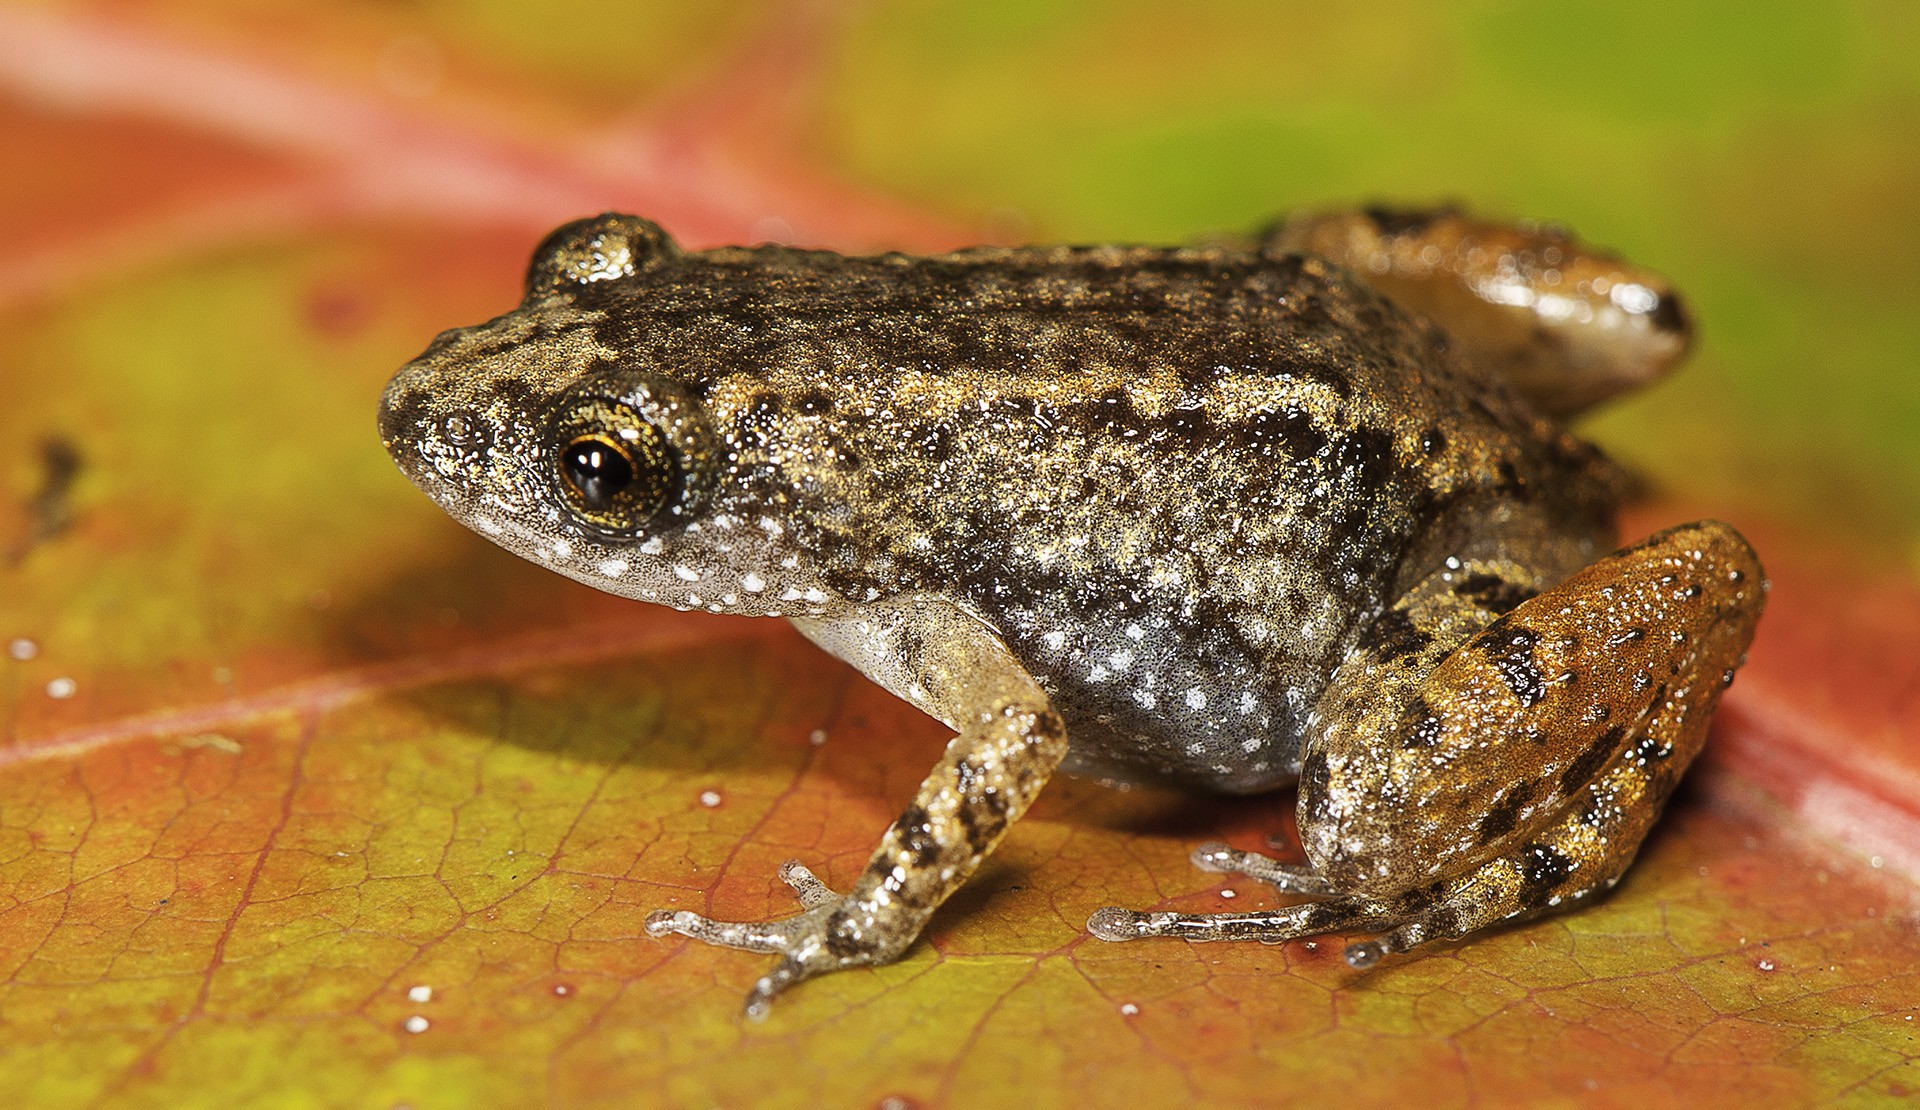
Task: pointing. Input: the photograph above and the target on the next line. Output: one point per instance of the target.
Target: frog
(1293, 509)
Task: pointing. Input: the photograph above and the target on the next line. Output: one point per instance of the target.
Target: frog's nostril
(464, 430)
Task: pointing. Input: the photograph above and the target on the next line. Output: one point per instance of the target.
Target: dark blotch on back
(1290, 428)
(1365, 455)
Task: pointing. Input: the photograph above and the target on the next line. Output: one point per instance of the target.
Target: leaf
(306, 796)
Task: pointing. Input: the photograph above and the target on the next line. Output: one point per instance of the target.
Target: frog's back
(1180, 482)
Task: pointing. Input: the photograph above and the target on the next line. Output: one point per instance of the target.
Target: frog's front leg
(1454, 787)
(1009, 742)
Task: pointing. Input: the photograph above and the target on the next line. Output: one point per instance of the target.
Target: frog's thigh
(1628, 655)
(1525, 769)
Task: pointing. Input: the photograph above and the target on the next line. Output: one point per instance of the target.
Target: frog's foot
(1542, 874)
(1518, 884)
(1538, 754)
(1288, 878)
(826, 935)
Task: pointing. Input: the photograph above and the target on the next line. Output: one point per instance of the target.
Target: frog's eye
(609, 247)
(599, 470)
(616, 468)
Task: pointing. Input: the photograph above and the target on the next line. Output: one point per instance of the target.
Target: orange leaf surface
(309, 797)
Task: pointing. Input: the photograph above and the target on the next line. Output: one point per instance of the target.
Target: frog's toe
(760, 999)
(1286, 877)
(752, 936)
(806, 886)
(1268, 926)
(1114, 923)
(826, 935)
(1347, 915)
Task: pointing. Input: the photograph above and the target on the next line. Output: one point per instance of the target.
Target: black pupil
(600, 470)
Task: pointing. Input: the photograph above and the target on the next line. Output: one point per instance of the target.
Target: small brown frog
(1234, 516)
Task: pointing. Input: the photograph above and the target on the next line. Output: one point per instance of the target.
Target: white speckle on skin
(652, 546)
(752, 583)
(1145, 698)
(420, 994)
(613, 568)
(488, 525)
(685, 573)
(1120, 660)
(1196, 699)
(1054, 640)
(417, 1024)
(62, 688)
(1135, 632)
(814, 595)
(790, 594)
(1248, 703)
(563, 549)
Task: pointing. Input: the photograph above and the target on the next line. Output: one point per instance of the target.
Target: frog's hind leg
(1522, 771)
(1565, 324)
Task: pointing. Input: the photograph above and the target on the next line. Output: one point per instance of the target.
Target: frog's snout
(412, 424)
(399, 418)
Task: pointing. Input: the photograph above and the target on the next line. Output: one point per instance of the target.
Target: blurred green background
(1766, 155)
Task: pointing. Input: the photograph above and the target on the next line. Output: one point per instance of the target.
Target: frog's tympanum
(1298, 509)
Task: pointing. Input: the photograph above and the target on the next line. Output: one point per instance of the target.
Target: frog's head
(547, 438)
